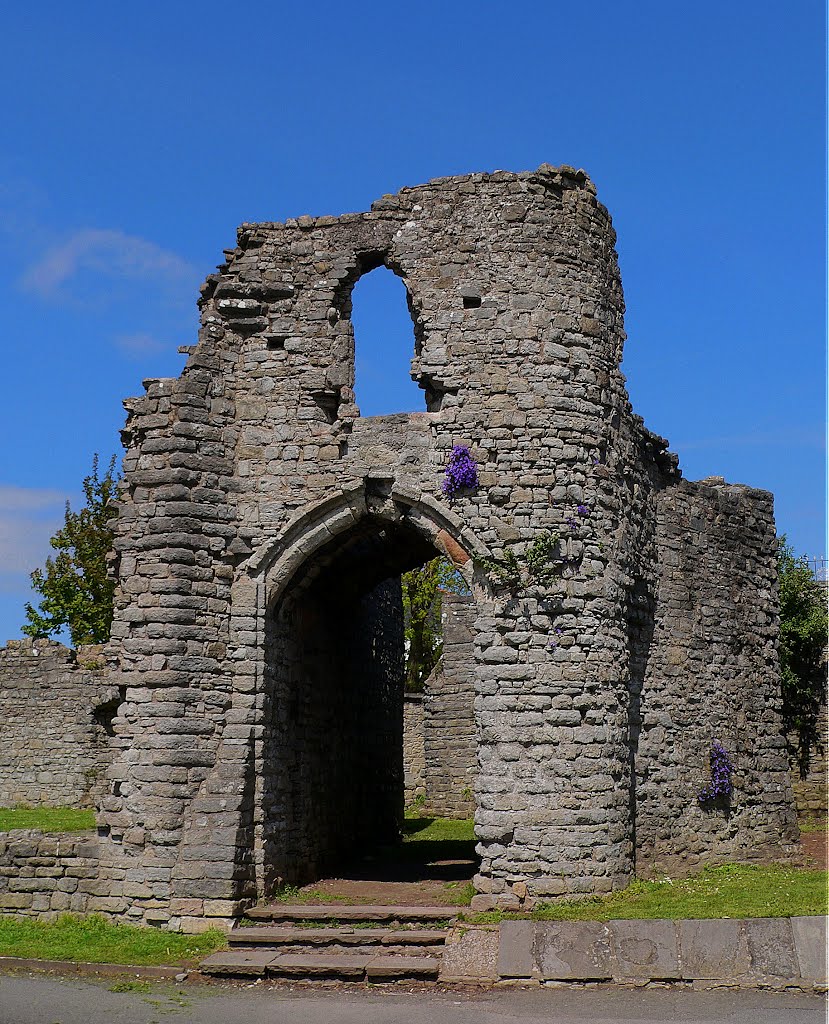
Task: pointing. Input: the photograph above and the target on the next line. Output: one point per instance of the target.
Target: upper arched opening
(384, 344)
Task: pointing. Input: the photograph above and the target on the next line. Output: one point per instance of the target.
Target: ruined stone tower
(624, 618)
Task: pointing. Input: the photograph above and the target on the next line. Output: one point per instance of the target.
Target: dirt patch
(815, 846)
(425, 893)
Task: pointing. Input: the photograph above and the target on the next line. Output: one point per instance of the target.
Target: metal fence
(819, 566)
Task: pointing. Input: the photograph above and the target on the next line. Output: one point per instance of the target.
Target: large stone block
(712, 950)
(644, 950)
(573, 950)
(809, 935)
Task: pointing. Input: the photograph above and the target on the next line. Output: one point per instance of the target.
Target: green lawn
(93, 939)
(732, 890)
(418, 829)
(47, 819)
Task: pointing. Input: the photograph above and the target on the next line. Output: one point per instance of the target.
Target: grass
(47, 819)
(417, 829)
(812, 824)
(94, 939)
(293, 894)
(731, 890)
(458, 894)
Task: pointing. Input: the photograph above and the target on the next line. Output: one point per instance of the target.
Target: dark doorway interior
(333, 783)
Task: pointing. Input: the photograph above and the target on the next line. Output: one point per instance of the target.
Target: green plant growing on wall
(541, 562)
(802, 650)
(76, 591)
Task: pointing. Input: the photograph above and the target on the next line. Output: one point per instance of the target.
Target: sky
(135, 138)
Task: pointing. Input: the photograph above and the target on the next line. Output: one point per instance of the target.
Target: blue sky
(134, 140)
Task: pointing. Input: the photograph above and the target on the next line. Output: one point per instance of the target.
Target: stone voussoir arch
(393, 499)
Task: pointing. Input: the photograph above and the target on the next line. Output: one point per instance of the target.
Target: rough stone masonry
(623, 617)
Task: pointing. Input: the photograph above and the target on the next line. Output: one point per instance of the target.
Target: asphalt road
(49, 1000)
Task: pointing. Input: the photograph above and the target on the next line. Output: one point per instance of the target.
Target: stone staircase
(347, 943)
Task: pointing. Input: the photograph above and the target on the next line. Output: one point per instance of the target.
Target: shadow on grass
(431, 849)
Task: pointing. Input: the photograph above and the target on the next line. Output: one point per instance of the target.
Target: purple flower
(721, 770)
(461, 473)
(583, 510)
(572, 523)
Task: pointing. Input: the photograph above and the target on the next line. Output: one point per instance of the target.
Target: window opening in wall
(384, 345)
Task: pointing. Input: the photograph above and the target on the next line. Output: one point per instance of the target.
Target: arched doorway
(332, 746)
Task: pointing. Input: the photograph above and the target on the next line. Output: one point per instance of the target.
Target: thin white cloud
(29, 516)
(107, 255)
(138, 344)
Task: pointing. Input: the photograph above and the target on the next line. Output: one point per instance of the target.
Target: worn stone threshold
(349, 912)
(265, 935)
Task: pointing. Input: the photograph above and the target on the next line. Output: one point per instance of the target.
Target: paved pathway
(46, 1000)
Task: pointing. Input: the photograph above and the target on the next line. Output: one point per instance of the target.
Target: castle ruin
(623, 618)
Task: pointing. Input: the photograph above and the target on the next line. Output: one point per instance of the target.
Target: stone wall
(46, 875)
(764, 953)
(414, 761)
(811, 792)
(710, 673)
(449, 738)
(55, 726)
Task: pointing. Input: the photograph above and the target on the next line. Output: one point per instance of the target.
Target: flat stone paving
(265, 935)
(345, 966)
(346, 912)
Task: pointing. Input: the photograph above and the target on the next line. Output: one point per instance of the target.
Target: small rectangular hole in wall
(275, 341)
(471, 301)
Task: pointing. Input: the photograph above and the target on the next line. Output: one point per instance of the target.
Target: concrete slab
(470, 954)
(809, 936)
(403, 967)
(516, 950)
(317, 965)
(247, 962)
(644, 950)
(573, 950)
(710, 950)
(771, 948)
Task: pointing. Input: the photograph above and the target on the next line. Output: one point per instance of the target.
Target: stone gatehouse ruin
(623, 618)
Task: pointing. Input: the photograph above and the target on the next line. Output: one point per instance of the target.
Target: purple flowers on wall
(461, 473)
(719, 786)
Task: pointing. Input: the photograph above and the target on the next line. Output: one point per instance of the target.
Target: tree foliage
(422, 588)
(76, 592)
(803, 637)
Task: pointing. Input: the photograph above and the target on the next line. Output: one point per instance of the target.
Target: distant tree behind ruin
(76, 591)
(421, 616)
(803, 637)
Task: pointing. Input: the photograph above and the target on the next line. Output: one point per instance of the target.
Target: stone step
(346, 966)
(267, 935)
(347, 913)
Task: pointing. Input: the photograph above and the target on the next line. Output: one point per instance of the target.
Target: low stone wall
(45, 875)
(751, 953)
(56, 719)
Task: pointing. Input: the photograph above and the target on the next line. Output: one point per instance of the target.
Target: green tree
(76, 592)
(803, 637)
(421, 616)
